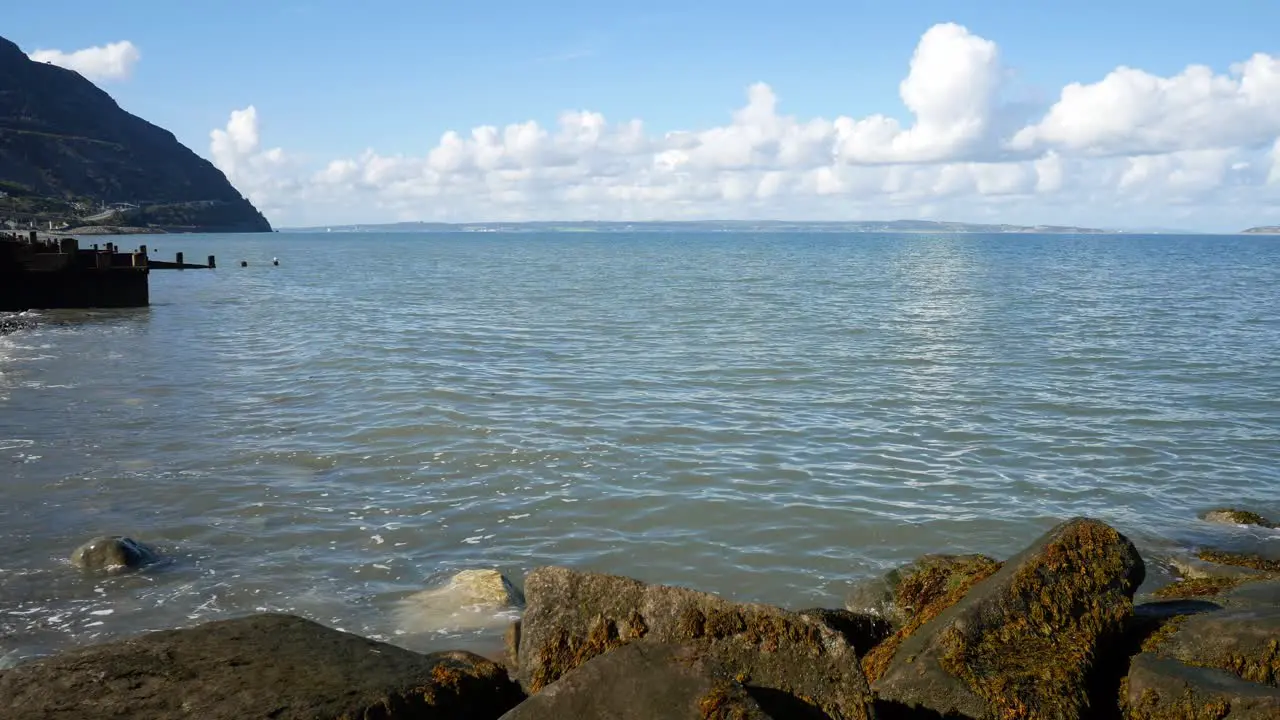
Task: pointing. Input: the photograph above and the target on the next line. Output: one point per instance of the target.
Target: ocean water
(774, 418)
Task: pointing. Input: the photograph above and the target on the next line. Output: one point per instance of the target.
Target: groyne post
(178, 259)
(211, 263)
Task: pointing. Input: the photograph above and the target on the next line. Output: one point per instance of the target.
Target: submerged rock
(1023, 642)
(1240, 560)
(573, 617)
(113, 553)
(1232, 516)
(644, 681)
(470, 599)
(269, 665)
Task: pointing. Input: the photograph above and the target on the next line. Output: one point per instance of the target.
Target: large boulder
(267, 665)
(113, 553)
(644, 681)
(571, 617)
(863, 631)
(1023, 642)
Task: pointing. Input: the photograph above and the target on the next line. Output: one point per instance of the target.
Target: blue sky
(329, 80)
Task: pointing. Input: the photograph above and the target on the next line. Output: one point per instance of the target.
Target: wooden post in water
(178, 257)
(211, 263)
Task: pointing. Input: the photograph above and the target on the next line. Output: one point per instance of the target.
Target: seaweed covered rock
(1163, 689)
(268, 665)
(921, 591)
(644, 681)
(113, 553)
(1233, 516)
(1023, 642)
(863, 631)
(1251, 561)
(1244, 642)
(571, 617)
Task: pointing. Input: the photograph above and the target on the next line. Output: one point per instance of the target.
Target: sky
(1135, 114)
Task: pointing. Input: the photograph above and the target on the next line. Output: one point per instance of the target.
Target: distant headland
(74, 162)
(1263, 230)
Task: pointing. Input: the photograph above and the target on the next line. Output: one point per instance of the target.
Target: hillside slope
(63, 138)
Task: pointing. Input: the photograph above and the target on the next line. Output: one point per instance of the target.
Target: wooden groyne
(45, 274)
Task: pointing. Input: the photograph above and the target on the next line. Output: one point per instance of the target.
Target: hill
(67, 150)
(1263, 230)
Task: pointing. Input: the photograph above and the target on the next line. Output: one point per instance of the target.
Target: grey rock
(644, 681)
(262, 666)
(1158, 688)
(113, 553)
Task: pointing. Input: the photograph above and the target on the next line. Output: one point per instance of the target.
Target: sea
(775, 417)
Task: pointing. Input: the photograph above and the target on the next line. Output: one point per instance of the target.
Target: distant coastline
(778, 226)
(1263, 230)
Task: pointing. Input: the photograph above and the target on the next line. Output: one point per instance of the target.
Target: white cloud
(114, 61)
(1131, 111)
(1123, 150)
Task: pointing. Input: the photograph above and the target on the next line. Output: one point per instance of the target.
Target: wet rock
(470, 599)
(862, 631)
(11, 325)
(573, 617)
(269, 665)
(921, 591)
(113, 553)
(1244, 642)
(1232, 516)
(903, 592)
(1164, 689)
(644, 681)
(1240, 560)
(1022, 643)
(1197, 569)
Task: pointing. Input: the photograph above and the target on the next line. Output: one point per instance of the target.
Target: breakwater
(1051, 632)
(58, 273)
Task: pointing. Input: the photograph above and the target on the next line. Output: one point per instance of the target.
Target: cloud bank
(114, 61)
(1198, 149)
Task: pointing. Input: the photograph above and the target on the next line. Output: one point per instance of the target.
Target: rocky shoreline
(1052, 632)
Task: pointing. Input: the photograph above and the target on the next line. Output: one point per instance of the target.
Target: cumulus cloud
(1122, 149)
(114, 61)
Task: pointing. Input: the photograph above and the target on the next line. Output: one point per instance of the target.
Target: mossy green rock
(1022, 643)
(572, 617)
(1233, 516)
(262, 666)
(644, 681)
(1164, 689)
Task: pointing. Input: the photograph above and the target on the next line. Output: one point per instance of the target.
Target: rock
(268, 665)
(1159, 688)
(113, 554)
(903, 592)
(573, 616)
(1022, 642)
(1244, 642)
(1232, 516)
(11, 325)
(921, 591)
(862, 631)
(1196, 569)
(1240, 560)
(644, 681)
(470, 599)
